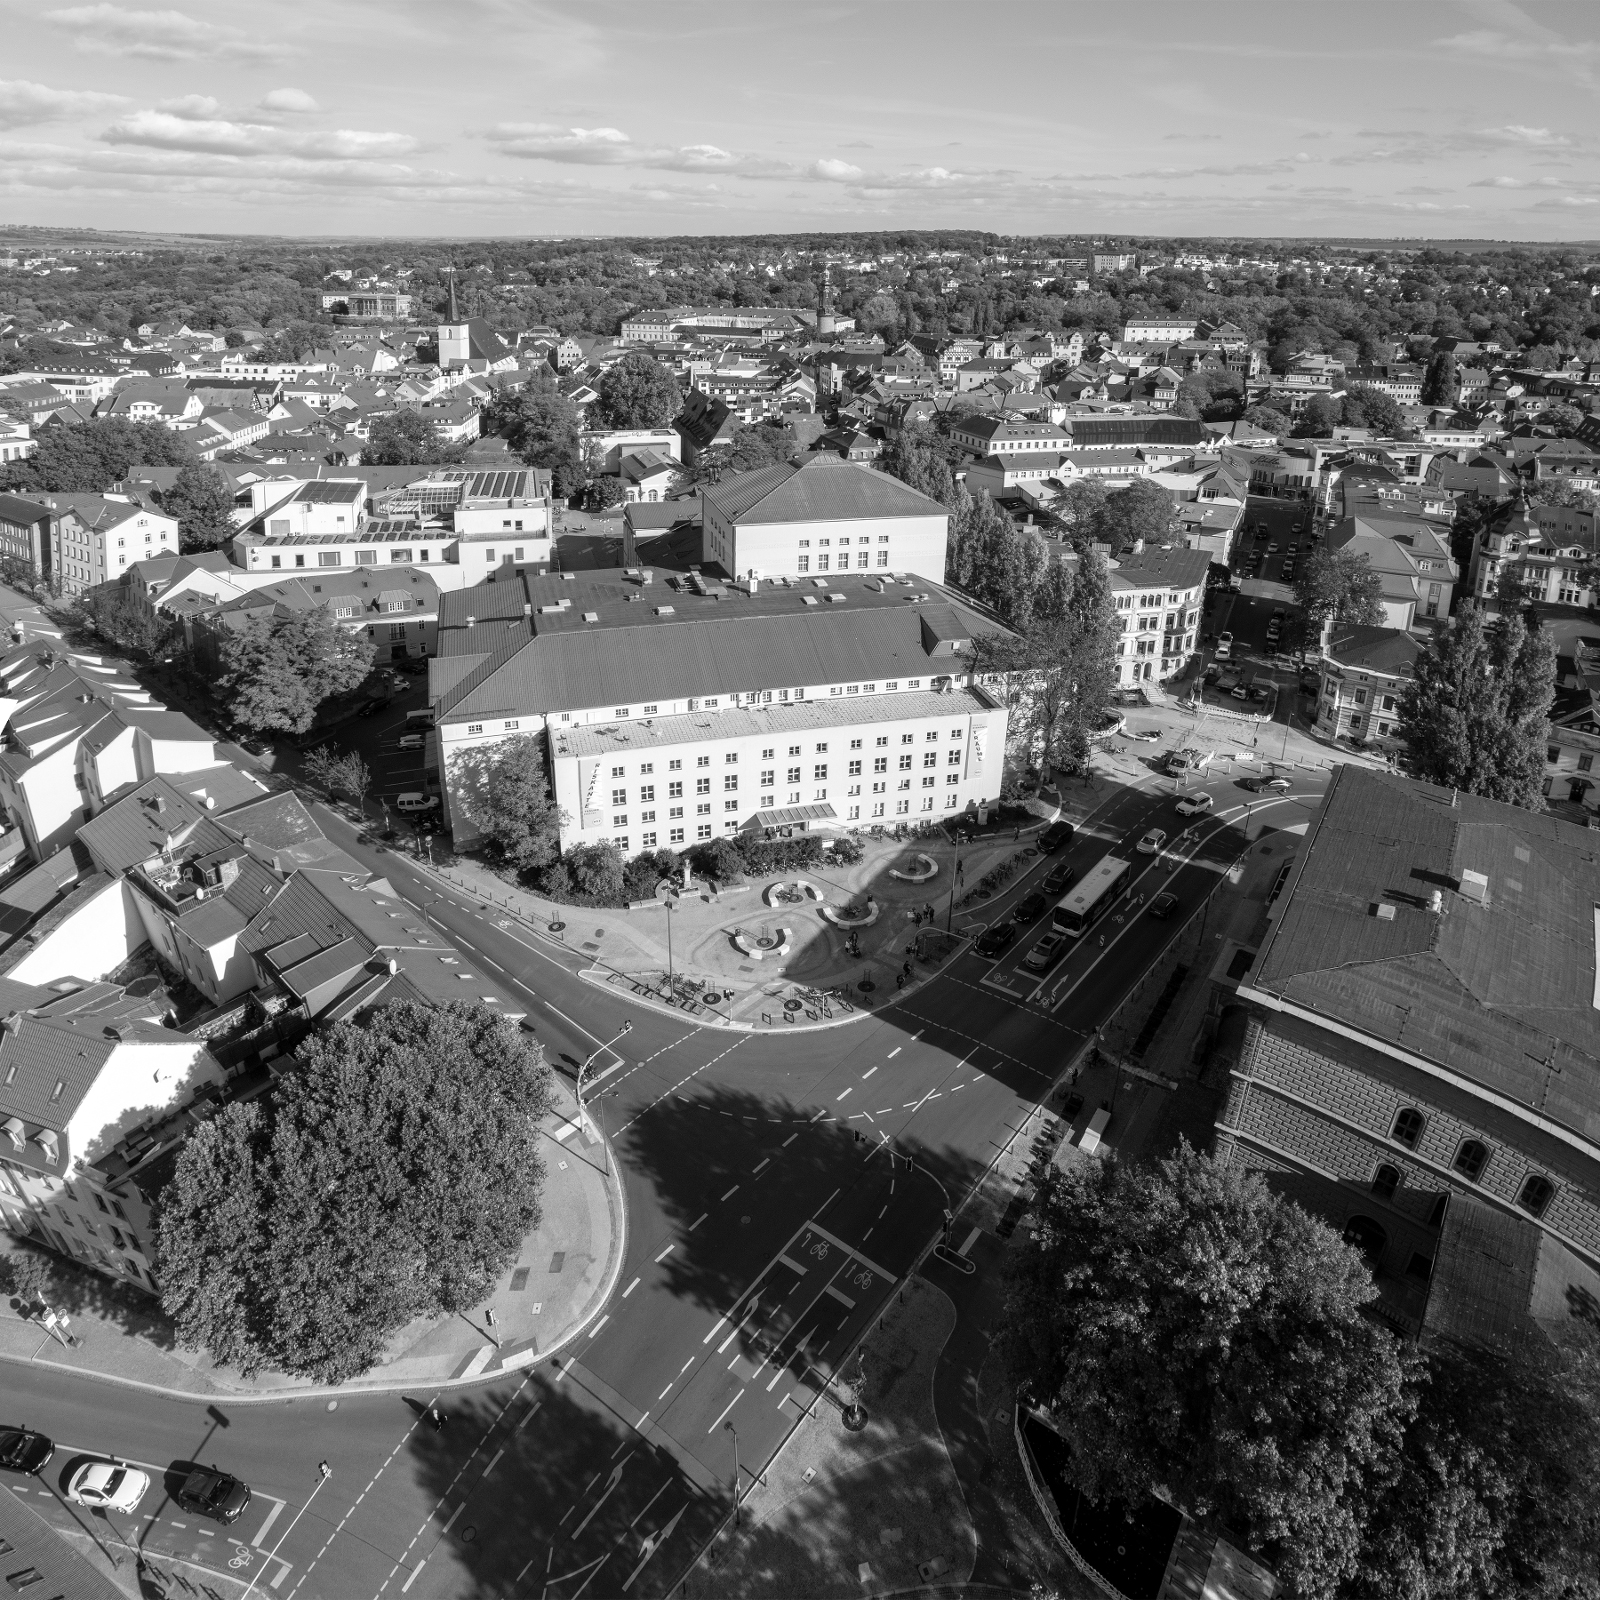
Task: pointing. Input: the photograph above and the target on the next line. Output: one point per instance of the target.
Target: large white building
(673, 710)
(102, 537)
(822, 514)
(1159, 595)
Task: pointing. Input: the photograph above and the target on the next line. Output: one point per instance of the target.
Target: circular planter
(842, 919)
(777, 943)
(923, 868)
(793, 892)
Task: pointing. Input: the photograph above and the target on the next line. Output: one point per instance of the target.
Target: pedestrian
(907, 968)
(436, 1417)
(900, 980)
(1016, 833)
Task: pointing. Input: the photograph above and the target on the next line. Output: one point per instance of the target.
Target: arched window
(1385, 1181)
(1408, 1128)
(1537, 1193)
(1471, 1159)
(1366, 1236)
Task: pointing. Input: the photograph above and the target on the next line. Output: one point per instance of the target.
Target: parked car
(1213, 673)
(1152, 842)
(1163, 906)
(1224, 647)
(1240, 692)
(23, 1450)
(372, 708)
(1272, 549)
(1146, 735)
(1260, 785)
(1193, 805)
(1057, 880)
(994, 940)
(415, 800)
(210, 1493)
(108, 1486)
(1030, 909)
(1054, 837)
(1045, 953)
(412, 741)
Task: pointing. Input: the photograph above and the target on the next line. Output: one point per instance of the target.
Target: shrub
(761, 856)
(645, 871)
(847, 851)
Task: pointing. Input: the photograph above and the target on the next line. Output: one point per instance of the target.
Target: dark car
(210, 1493)
(994, 940)
(23, 1450)
(1058, 880)
(1055, 836)
(372, 708)
(1031, 908)
(1259, 785)
(1163, 906)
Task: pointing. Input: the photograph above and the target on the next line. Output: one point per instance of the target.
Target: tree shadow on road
(693, 1149)
(556, 1494)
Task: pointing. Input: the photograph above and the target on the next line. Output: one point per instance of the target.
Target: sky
(478, 118)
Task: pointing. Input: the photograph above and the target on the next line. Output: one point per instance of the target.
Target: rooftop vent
(591, 616)
(1475, 887)
(666, 611)
(837, 599)
(810, 600)
(1384, 913)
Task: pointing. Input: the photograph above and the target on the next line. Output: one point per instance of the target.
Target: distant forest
(1518, 295)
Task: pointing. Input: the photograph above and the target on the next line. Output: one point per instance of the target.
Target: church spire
(455, 315)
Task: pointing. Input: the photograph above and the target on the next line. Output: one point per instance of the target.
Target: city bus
(1092, 896)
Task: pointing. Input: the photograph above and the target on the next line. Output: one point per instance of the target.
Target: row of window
(1470, 1161)
(803, 563)
(361, 558)
(704, 830)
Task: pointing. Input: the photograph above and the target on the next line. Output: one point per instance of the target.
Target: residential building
(1412, 560)
(26, 528)
(1159, 330)
(102, 538)
(985, 436)
(1542, 550)
(1416, 1058)
(675, 709)
(1159, 595)
(16, 435)
(1363, 671)
(377, 305)
(818, 514)
(1125, 262)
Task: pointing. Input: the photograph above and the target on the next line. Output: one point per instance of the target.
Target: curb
(616, 1204)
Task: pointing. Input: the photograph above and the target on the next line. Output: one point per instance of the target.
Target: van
(422, 717)
(415, 800)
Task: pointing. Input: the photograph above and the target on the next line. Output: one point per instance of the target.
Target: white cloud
(195, 107)
(611, 147)
(588, 146)
(23, 104)
(287, 100)
(836, 171)
(162, 130)
(159, 35)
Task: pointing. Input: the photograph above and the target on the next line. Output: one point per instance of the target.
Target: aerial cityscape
(768, 831)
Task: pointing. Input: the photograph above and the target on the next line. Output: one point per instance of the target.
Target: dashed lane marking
(742, 1039)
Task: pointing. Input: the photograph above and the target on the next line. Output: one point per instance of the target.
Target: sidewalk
(564, 1273)
(742, 957)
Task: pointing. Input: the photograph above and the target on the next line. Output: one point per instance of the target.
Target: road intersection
(780, 1188)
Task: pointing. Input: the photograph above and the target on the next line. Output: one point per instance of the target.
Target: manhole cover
(469, 1533)
(744, 1222)
(791, 1005)
(599, 933)
(712, 997)
(556, 927)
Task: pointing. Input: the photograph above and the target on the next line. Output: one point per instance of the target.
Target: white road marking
(631, 1287)
(838, 1097)
(725, 1410)
(667, 1252)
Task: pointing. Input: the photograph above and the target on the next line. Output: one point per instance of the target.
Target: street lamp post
(735, 1432)
(583, 1110)
(667, 906)
(324, 1472)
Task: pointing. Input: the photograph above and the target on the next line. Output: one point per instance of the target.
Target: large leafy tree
(1367, 407)
(1144, 510)
(391, 1173)
(1076, 511)
(277, 670)
(541, 425)
(1339, 586)
(90, 457)
(202, 501)
(637, 392)
(405, 439)
(921, 457)
(503, 791)
(1439, 381)
(1191, 1329)
(756, 445)
(1476, 714)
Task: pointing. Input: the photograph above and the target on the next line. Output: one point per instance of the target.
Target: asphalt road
(779, 1188)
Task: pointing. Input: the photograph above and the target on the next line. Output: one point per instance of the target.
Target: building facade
(1159, 596)
(1363, 672)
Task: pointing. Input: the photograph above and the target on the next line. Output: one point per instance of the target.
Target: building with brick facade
(1421, 1061)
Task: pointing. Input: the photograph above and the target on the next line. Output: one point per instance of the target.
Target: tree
(348, 774)
(751, 447)
(1268, 420)
(1367, 407)
(202, 501)
(293, 342)
(637, 392)
(1440, 385)
(277, 670)
(90, 457)
(1476, 714)
(1564, 418)
(588, 874)
(393, 1172)
(114, 616)
(406, 439)
(1339, 586)
(1144, 510)
(1189, 1328)
(1320, 417)
(541, 425)
(921, 457)
(1076, 510)
(503, 792)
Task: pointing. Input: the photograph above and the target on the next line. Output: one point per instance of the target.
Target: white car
(107, 1486)
(1224, 651)
(415, 800)
(1192, 805)
(412, 741)
(1152, 842)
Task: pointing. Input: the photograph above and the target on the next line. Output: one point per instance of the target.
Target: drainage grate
(558, 1260)
(519, 1279)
